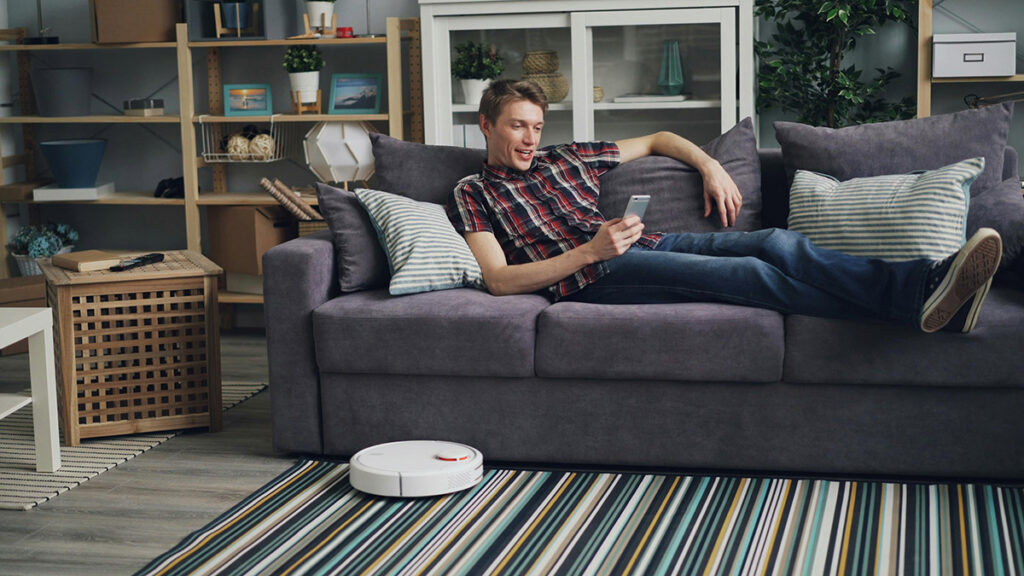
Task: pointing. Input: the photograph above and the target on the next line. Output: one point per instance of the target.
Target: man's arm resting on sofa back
(719, 189)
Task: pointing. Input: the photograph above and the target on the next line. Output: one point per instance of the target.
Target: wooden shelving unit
(189, 118)
(924, 63)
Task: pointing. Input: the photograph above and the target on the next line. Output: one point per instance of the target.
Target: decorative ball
(262, 147)
(238, 147)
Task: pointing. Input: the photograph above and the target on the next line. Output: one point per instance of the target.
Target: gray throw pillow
(422, 172)
(901, 146)
(677, 189)
(1002, 208)
(362, 264)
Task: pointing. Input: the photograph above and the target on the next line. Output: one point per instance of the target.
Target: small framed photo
(355, 93)
(248, 100)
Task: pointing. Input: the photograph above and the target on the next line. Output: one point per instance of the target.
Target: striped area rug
(22, 488)
(311, 521)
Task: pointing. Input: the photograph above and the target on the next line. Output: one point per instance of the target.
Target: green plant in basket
(303, 59)
(43, 241)
(475, 61)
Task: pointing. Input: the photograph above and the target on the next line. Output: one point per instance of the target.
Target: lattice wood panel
(140, 353)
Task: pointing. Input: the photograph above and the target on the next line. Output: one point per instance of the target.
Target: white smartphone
(637, 205)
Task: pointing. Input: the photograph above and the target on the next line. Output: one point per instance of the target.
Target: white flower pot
(305, 84)
(315, 10)
(473, 90)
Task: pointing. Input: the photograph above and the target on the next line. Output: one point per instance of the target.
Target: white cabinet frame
(438, 18)
(583, 24)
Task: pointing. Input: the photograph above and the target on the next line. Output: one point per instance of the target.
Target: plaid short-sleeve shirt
(542, 212)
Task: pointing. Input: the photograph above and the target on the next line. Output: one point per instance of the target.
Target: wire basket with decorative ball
(540, 62)
(555, 86)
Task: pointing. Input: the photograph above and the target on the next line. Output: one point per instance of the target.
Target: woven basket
(540, 62)
(27, 265)
(555, 86)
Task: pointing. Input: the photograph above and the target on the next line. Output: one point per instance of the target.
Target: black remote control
(138, 261)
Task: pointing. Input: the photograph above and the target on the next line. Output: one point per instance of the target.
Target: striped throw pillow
(899, 217)
(424, 251)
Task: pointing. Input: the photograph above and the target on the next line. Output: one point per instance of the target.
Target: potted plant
(236, 14)
(33, 242)
(303, 64)
(321, 13)
(474, 66)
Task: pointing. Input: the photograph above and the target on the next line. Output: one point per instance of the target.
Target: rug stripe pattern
(311, 521)
(22, 488)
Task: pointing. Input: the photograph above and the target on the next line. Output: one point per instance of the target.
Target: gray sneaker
(960, 278)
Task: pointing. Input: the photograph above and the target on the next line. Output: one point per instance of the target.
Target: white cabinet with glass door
(608, 51)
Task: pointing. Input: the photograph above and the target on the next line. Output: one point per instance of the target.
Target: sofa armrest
(298, 276)
(1010, 163)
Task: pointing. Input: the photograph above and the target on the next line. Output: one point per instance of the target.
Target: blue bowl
(74, 163)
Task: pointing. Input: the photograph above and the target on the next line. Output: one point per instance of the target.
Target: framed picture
(248, 100)
(355, 93)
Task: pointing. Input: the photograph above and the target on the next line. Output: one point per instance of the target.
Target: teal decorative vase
(670, 78)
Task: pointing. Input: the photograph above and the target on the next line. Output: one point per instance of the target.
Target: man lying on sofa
(532, 222)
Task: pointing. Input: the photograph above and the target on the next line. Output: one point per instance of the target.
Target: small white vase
(305, 84)
(315, 10)
(473, 90)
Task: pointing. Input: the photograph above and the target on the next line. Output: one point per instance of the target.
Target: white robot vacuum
(416, 468)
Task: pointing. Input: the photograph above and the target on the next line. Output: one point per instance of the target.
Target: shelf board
(286, 42)
(1015, 78)
(225, 297)
(11, 403)
(556, 107)
(658, 105)
(100, 119)
(123, 198)
(208, 118)
(52, 47)
(247, 199)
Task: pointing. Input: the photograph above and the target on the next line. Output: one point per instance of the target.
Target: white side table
(36, 324)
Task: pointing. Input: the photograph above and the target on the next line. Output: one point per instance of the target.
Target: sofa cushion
(826, 351)
(1002, 207)
(424, 251)
(698, 342)
(362, 264)
(900, 146)
(677, 189)
(422, 172)
(898, 217)
(462, 332)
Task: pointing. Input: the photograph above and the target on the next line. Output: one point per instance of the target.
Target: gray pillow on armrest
(362, 264)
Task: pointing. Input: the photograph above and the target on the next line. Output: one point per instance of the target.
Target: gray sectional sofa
(694, 385)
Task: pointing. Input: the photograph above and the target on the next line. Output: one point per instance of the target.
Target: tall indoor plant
(475, 65)
(303, 64)
(802, 70)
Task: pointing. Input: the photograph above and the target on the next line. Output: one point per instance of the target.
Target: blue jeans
(773, 268)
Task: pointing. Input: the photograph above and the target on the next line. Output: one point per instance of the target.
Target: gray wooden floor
(120, 520)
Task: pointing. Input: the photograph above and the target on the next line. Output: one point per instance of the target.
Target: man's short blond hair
(501, 93)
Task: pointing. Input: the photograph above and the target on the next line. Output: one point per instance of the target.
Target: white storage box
(964, 55)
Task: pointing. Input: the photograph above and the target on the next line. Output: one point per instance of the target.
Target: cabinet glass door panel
(512, 36)
(627, 57)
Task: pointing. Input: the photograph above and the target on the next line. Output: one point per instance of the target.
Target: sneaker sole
(972, 314)
(971, 270)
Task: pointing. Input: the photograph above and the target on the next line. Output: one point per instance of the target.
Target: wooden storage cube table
(139, 350)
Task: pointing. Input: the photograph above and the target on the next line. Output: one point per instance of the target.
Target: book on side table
(86, 260)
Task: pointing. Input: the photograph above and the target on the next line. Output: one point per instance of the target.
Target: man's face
(513, 138)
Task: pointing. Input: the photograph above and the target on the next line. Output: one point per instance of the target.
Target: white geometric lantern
(340, 151)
